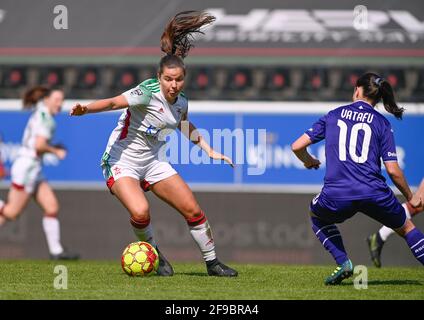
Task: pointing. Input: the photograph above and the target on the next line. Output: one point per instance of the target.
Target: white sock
(386, 232)
(202, 234)
(145, 234)
(52, 231)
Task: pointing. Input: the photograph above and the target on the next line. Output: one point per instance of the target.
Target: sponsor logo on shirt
(315, 199)
(391, 154)
(152, 131)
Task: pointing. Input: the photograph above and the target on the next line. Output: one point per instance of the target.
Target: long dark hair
(377, 88)
(177, 38)
(33, 95)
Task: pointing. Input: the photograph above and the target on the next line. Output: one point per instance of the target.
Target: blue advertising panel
(284, 168)
(259, 144)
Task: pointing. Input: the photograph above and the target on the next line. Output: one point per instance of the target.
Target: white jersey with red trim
(144, 125)
(41, 123)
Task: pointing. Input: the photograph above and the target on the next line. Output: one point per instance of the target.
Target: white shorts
(26, 174)
(149, 174)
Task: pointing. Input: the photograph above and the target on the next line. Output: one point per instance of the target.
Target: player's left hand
(416, 201)
(219, 156)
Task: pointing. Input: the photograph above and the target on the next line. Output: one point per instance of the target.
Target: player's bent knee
(54, 209)
(192, 211)
(11, 212)
(140, 214)
(10, 215)
(140, 222)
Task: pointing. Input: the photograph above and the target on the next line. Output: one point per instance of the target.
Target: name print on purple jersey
(357, 116)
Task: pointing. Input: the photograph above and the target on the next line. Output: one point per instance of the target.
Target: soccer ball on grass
(139, 259)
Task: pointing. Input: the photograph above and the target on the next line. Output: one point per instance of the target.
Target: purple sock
(330, 237)
(415, 241)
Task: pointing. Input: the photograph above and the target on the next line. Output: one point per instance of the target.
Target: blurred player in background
(356, 137)
(131, 162)
(377, 240)
(26, 172)
(3, 171)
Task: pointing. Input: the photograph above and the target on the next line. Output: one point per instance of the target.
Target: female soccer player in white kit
(26, 172)
(132, 162)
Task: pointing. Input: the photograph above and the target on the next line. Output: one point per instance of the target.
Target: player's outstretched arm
(190, 131)
(115, 103)
(396, 175)
(299, 149)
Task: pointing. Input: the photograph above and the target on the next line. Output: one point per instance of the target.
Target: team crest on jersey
(117, 171)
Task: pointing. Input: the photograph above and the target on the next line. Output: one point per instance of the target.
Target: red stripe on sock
(139, 224)
(197, 220)
(50, 215)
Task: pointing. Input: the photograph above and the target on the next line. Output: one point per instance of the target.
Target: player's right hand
(78, 110)
(314, 164)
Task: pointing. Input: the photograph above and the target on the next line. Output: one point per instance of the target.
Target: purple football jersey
(356, 138)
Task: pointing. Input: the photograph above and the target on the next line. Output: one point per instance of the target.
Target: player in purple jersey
(356, 137)
(377, 240)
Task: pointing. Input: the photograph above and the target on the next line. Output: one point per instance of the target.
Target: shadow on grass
(196, 274)
(388, 282)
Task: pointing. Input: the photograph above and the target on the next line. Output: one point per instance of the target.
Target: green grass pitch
(28, 279)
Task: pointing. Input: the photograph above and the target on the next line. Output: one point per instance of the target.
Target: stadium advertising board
(257, 136)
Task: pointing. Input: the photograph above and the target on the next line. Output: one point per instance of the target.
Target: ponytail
(377, 88)
(389, 100)
(178, 34)
(177, 38)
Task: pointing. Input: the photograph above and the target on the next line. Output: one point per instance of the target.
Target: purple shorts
(385, 209)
